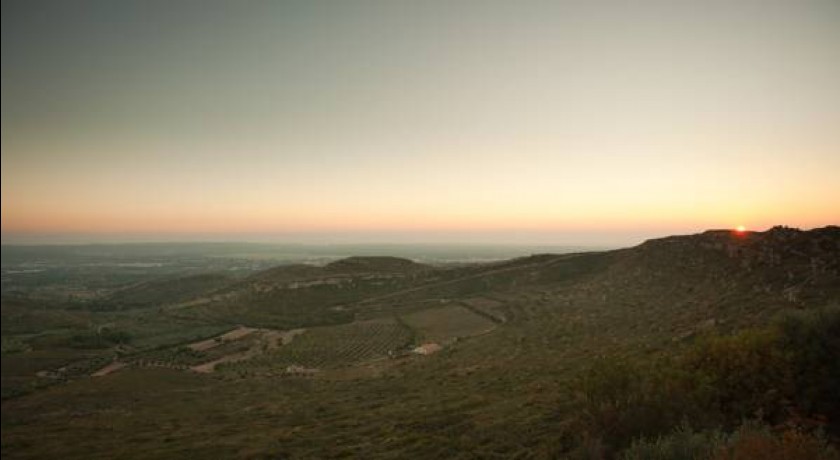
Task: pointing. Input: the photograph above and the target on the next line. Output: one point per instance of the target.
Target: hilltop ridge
(782, 258)
(781, 265)
(375, 264)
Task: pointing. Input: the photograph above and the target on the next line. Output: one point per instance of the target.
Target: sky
(590, 122)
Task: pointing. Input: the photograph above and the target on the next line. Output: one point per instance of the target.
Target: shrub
(756, 441)
(623, 402)
(102, 338)
(752, 440)
(812, 340)
(682, 444)
(786, 374)
(744, 375)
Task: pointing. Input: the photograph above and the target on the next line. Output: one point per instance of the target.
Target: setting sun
(377, 228)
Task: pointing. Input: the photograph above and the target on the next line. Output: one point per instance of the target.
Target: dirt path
(230, 336)
(277, 338)
(457, 280)
(113, 367)
(209, 367)
(270, 339)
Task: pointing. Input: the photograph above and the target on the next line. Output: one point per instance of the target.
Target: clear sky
(510, 121)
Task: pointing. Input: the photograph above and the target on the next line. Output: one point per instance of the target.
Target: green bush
(812, 340)
(744, 375)
(104, 337)
(682, 444)
(751, 440)
(756, 441)
(623, 402)
(784, 374)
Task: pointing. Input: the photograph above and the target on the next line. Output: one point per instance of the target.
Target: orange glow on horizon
(263, 219)
(596, 129)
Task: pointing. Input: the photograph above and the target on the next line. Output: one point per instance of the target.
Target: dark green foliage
(682, 444)
(785, 373)
(746, 375)
(622, 402)
(789, 369)
(758, 441)
(103, 337)
(751, 440)
(165, 291)
(375, 264)
(812, 340)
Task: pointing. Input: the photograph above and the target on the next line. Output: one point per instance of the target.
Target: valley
(387, 357)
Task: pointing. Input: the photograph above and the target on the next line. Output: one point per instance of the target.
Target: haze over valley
(399, 230)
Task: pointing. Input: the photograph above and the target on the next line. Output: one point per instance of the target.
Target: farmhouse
(427, 348)
(295, 369)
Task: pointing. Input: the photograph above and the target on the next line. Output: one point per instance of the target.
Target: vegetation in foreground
(711, 346)
(759, 393)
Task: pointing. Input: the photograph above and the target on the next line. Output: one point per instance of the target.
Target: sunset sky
(511, 121)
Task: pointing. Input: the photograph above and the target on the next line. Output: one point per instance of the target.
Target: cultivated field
(447, 324)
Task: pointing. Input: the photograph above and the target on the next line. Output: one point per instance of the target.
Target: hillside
(167, 291)
(551, 355)
(292, 296)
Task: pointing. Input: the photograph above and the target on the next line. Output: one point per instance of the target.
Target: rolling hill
(586, 355)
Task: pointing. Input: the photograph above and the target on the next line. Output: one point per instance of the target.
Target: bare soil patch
(230, 336)
(113, 367)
